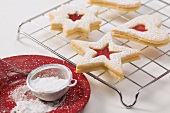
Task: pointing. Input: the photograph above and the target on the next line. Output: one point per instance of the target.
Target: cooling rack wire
(154, 63)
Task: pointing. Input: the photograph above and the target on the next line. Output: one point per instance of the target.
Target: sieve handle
(73, 83)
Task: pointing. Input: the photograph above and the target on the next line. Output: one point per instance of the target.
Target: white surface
(103, 99)
(12, 14)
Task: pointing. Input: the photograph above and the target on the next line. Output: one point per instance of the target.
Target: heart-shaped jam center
(140, 28)
(75, 16)
(105, 51)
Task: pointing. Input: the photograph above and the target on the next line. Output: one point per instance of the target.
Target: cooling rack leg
(19, 30)
(130, 105)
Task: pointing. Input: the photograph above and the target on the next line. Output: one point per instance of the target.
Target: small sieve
(51, 70)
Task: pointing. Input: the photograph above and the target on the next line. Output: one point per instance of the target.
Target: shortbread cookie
(144, 29)
(74, 20)
(122, 5)
(104, 54)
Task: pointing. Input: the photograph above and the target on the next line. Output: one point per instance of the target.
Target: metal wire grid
(125, 43)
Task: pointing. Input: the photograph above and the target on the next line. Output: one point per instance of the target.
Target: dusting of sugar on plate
(27, 103)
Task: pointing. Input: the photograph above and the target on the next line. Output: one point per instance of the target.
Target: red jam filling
(140, 28)
(75, 16)
(105, 51)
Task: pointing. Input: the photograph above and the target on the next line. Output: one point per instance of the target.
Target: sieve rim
(48, 66)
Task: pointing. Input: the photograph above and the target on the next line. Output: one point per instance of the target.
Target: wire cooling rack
(154, 63)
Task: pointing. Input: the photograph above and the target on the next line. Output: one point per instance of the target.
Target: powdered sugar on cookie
(121, 2)
(72, 19)
(124, 5)
(152, 35)
(118, 55)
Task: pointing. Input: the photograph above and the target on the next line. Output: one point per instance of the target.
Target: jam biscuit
(74, 20)
(104, 54)
(122, 5)
(143, 29)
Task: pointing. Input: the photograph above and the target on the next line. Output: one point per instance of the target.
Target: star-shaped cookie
(74, 20)
(143, 29)
(104, 54)
(123, 5)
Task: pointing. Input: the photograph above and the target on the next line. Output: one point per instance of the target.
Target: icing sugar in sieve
(50, 82)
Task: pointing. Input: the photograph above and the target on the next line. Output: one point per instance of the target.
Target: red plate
(76, 98)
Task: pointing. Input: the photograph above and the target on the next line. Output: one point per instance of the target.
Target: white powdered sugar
(31, 106)
(27, 103)
(48, 84)
(19, 93)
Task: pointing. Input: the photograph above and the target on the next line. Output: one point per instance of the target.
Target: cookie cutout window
(75, 16)
(104, 51)
(140, 28)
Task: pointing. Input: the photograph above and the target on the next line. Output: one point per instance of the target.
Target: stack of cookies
(144, 29)
(72, 20)
(104, 54)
